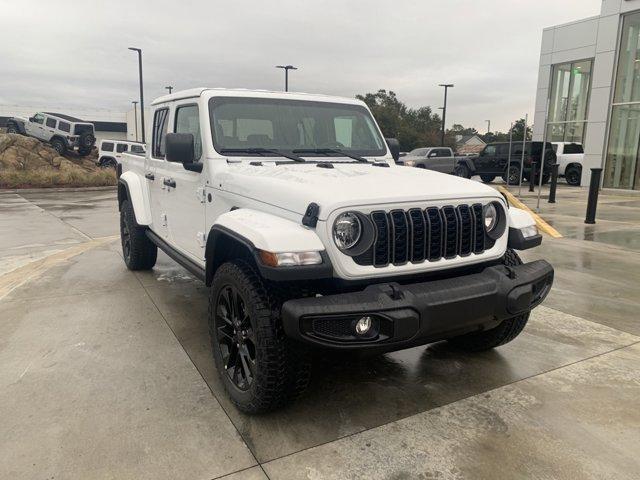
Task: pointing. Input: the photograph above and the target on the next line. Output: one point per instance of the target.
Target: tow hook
(393, 292)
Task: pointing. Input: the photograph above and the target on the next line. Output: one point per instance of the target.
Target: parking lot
(106, 373)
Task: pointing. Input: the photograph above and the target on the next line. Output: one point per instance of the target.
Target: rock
(56, 161)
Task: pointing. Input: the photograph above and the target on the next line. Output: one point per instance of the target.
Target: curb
(58, 189)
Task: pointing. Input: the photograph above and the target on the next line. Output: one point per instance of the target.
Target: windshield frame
(215, 102)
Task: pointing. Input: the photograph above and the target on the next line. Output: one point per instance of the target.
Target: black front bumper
(414, 314)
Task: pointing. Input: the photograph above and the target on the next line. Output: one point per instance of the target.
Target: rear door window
(160, 124)
(64, 126)
(573, 148)
(51, 123)
(122, 147)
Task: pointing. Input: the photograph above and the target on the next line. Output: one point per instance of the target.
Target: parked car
(439, 159)
(110, 151)
(291, 209)
(493, 161)
(63, 132)
(570, 157)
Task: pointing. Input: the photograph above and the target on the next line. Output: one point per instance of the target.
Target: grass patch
(56, 178)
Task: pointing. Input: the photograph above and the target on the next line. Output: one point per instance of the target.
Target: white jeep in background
(570, 157)
(290, 207)
(64, 133)
(110, 151)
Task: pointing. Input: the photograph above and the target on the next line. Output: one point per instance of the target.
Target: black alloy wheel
(236, 337)
(513, 175)
(125, 238)
(573, 176)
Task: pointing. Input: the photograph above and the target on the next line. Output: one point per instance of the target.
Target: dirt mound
(28, 162)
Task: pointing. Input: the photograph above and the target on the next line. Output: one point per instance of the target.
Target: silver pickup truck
(440, 159)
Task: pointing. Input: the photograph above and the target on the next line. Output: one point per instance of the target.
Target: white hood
(294, 186)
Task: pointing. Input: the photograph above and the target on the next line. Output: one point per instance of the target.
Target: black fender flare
(105, 159)
(222, 239)
(467, 162)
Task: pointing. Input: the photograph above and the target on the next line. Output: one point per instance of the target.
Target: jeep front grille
(417, 235)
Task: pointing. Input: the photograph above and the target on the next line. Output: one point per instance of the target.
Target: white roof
(243, 92)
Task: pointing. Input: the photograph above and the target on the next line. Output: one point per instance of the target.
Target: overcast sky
(74, 54)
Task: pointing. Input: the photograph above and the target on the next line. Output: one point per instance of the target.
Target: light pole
(141, 91)
(135, 117)
(286, 69)
(488, 126)
(444, 109)
(169, 88)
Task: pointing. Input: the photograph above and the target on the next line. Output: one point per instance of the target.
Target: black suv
(493, 161)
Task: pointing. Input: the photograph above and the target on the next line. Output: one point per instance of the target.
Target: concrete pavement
(107, 374)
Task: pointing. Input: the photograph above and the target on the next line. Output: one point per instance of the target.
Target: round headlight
(347, 230)
(490, 215)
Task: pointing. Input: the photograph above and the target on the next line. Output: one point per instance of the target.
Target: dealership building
(589, 91)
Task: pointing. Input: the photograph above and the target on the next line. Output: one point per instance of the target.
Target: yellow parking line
(542, 225)
(21, 275)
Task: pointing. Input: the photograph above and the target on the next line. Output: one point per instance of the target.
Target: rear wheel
(12, 128)
(487, 178)
(573, 175)
(512, 175)
(59, 146)
(260, 368)
(138, 251)
(500, 335)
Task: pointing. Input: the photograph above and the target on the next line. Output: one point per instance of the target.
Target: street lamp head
(135, 49)
(447, 85)
(287, 67)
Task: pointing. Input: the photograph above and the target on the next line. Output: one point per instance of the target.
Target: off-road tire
(138, 251)
(462, 171)
(84, 151)
(487, 178)
(512, 175)
(573, 175)
(59, 146)
(86, 140)
(282, 368)
(500, 335)
(12, 128)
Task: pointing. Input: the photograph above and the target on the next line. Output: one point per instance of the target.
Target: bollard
(532, 176)
(554, 183)
(594, 188)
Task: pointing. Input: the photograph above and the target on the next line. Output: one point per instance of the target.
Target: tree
(518, 128)
(412, 127)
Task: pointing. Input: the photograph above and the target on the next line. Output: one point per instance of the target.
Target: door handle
(150, 176)
(169, 182)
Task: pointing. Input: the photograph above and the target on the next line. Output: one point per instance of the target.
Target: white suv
(63, 132)
(110, 151)
(290, 207)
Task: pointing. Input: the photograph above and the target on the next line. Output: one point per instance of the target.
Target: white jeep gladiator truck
(291, 209)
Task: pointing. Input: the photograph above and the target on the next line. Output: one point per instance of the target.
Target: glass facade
(570, 88)
(621, 170)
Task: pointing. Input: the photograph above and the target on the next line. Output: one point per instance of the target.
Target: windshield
(418, 152)
(287, 125)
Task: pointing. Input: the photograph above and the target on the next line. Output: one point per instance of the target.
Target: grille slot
(417, 235)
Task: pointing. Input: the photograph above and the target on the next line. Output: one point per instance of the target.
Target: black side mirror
(31, 119)
(394, 148)
(181, 149)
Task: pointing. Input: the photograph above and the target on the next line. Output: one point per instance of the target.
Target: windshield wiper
(331, 150)
(262, 152)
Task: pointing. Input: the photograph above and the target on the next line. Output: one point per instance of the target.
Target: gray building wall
(595, 38)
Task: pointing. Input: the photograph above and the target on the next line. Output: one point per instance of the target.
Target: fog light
(530, 231)
(363, 325)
